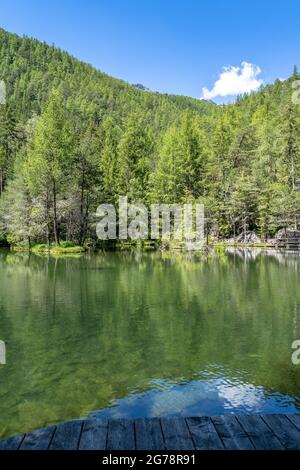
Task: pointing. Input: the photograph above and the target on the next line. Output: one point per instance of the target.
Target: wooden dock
(260, 432)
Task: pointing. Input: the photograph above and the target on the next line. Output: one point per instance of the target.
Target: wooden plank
(267, 432)
(176, 434)
(38, 440)
(94, 435)
(66, 436)
(231, 433)
(120, 435)
(149, 434)
(12, 443)
(204, 434)
(286, 432)
(260, 434)
(295, 419)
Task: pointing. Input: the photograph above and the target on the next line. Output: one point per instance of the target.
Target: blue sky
(174, 46)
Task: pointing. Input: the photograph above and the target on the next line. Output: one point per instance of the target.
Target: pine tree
(8, 143)
(21, 218)
(295, 71)
(48, 157)
(180, 174)
(86, 179)
(220, 175)
(109, 165)
(134, 156)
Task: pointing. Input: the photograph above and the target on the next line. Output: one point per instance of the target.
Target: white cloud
(234, 81)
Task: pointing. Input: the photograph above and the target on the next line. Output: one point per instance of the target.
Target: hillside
(72, 137)
(31, 69)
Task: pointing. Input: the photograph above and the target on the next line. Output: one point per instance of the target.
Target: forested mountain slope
(31, 69)
(72, 137)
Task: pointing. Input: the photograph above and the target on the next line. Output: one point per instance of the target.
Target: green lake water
(137, 334)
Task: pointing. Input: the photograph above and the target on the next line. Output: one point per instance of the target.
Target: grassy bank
(66, 247)
(63, 248)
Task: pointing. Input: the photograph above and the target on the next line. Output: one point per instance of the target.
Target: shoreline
(217, 246)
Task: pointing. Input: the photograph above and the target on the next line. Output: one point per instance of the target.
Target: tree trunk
(1, 181)
(86, 218)
(55, 222)
(48, 218)
(82, 223)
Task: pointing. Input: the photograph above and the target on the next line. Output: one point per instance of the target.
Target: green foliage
(134, 154)
(182, 165)
(72, 137)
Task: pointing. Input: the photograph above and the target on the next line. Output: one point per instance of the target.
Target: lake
(147, 334)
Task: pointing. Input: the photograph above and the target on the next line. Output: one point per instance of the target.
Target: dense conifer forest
(71, 137)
